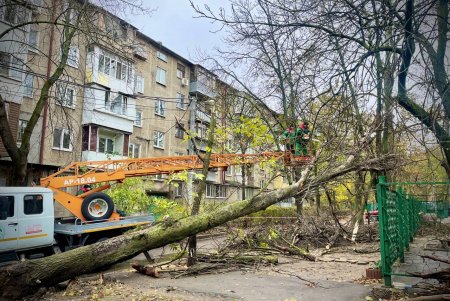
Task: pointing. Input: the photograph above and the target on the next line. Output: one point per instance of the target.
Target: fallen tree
(23, 278)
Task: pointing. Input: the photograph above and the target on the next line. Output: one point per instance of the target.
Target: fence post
(401, 239)
(382, 224)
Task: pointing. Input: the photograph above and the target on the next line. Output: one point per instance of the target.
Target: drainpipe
(49, 69)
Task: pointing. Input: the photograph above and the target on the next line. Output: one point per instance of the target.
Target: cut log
(146, 270)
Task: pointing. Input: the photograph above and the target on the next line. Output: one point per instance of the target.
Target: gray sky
(173, 25)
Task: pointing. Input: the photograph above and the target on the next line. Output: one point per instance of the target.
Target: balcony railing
(202, 88)
(202, 116)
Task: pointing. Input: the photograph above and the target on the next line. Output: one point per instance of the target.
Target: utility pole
(193, 107)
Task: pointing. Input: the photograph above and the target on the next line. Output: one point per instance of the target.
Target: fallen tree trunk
(23, 278)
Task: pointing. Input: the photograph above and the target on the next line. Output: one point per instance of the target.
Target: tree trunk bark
(192, 243)
(20, 279)
(19, 172)
(299, 207)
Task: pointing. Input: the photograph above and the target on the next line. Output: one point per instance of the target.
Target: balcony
(202, 116)
(203, 89)
(118, 114)
(97, 156)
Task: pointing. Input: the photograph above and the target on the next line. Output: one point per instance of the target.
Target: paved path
(249, 286)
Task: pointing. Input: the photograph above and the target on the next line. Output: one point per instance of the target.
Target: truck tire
(97, 206)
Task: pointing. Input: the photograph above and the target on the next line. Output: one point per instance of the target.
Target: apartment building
(121, 95)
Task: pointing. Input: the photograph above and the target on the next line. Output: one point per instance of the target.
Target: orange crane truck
(27, 224)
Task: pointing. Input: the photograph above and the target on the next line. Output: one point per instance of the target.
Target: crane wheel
(97, 206)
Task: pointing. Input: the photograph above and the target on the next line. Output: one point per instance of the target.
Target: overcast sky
(173, 24)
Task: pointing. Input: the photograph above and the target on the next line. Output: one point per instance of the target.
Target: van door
(36, 220)
(8, 223)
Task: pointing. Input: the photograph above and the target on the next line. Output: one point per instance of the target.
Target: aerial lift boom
(93, 205)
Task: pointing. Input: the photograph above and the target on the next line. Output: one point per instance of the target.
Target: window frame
(28, 85)
(11, 207)
(12, 65)
(20, 129)
(73, 57)
(181, 72)
(160, 107)
(178, 190)
(132, 147)
(61, 97)
(161, 56)
(39, 206)
(158, 139)
(161, 76)
(138, 121)
(180, 104)
(139, 84)
(105, 145)
(179, 133)
(61, 140)
(34, 47)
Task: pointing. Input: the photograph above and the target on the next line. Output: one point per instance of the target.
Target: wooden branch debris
(436, 258)
(443, 275)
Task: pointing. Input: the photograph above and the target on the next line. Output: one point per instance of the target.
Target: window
(6, 206)
(118, 103)
(229, 171)
(33, 204)
(134, 150)
(73, 57)
(65, 95)
(216, 191)
(161, 76)
(201, 130)
(160, 106)
(104, 64)
(105, 145)
(158, 139)
(180, 70)
(138, 84)
(178, 154)
(262, 184)
(180, 101)
(138, 119)
(21, 129)
(113, 66)
(179, 133)
(114, 28)
(161, 56)
(28, 85)
(62, 139)
(10, 66)
(159, 177)
(178, 190)
(33, 38)
(5, 59)
(11, 13)
(121, 70)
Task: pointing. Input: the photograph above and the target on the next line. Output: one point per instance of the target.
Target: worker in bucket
(302, 138)
(289, 137)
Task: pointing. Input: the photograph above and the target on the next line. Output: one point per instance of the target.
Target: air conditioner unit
(184, 81)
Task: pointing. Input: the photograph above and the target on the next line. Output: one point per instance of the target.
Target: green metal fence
(399, 220)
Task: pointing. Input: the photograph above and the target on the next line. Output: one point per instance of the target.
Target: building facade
(121, 95)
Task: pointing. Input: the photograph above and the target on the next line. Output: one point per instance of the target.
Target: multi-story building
(122, 94)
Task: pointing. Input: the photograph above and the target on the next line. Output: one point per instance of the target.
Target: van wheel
(97, 206)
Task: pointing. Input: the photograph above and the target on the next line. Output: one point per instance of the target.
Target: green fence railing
(399, 220)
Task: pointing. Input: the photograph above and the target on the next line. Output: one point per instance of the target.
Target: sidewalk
(415, 263)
